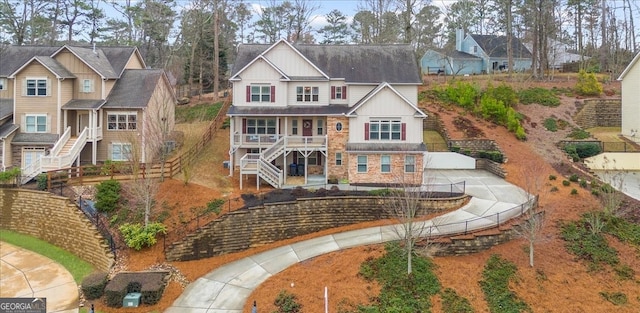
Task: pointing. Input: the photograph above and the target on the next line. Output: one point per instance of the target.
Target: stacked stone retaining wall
(244, 229)
(599, 113)
(56, 220)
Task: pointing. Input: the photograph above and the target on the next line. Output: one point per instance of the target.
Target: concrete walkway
(226, 289)
(25, 274)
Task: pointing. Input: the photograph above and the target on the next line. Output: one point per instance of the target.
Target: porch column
(94, 152)
(232, 127)
(64, 114)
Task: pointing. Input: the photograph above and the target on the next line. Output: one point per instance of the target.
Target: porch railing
(61, 141)
(54, 162)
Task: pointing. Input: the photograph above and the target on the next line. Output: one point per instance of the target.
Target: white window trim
(391, 122)
(122, 145)
(260, 94)
(382, 164)
(366, 164)
(338, 156)
(30, 150)
(46, 123)
(83, 85)
(128, 113)
(414, 163)
(26, 88)
(312, 91)
(3, 83)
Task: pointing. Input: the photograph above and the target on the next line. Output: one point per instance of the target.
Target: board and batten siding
(631, 103)
(385, 105)
(324, 93)
(36, 104)
(260, 73)
(82, 72)
(290, 62)
(7, 92)
(133, 63)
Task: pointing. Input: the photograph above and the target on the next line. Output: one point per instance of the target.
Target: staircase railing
(32, 170)
(273, 152)
(270, 173)
(61, 142)
(55, 161)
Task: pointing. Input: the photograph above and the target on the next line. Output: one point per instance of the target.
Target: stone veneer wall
(373, 173)
(243, 229)
(56, 220)
(337, 143)
(599, 113)
(468, 244)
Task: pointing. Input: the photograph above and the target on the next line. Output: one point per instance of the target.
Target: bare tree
(533, 220)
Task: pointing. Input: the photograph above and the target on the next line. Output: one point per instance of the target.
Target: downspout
(143, 149)
(59, 100)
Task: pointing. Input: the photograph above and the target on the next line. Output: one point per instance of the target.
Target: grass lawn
(609, 135)
(434, 141)
(78, 267)
(197, 112)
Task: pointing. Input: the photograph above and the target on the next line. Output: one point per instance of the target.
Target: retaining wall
(56, 220)
(244, 229)
(599, 113)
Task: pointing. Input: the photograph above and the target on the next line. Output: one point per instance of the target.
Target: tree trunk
(531, 253)
(216, 52)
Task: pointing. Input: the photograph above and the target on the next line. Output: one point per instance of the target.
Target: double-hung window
(294, 127)
(385, 164)
(120, 151)
(385, 130)
(338, 158)
(261, 126)
(410, 164)
(36, 87)
(320, 126)
(362, 164)
(307, 94)
(36, 123)
(260, 93)
(87, 85)
(122, 121)
(338, 92)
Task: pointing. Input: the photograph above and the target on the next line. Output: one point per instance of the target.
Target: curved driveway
(227, 288)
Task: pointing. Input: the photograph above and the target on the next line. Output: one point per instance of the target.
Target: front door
(307, 127)
(83, 121)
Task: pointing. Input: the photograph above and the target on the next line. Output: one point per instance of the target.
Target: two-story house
(63, 105)
(477, 54)
(346, 112)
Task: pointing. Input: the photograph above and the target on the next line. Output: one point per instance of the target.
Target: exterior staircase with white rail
(62, 155)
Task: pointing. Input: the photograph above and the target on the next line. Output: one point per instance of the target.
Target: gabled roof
(454, 54)
(120, 56)
(368, 64)
(14, 57)
(496, 46)
(375, 91)
(6, 108)
(93, 58)
(35, 138)
(55, 67)
(629, 67)
(260, 58)
(134, 89)
(7, 129)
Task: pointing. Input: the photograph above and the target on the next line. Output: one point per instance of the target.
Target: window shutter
(333, 92)
(248, 93)
(24, 87)
(244, 125)
(23, 123)
(404, 131)
(273, 93)
(318, 158)
(49, 124)
(366, 131)
(48, 87)
(91, 88)
(344, 92)
(110, 152)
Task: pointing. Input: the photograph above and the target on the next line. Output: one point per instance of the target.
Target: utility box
(131, 300)
(225, 164)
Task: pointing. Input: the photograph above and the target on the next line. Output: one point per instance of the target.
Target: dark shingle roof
(395, 64)
(293, 110)
(496, 46)
(55, 67)
(133, 89)
(455, 54)
(83, 104)
(96, 59)
(6, 108)
(118, 56)
(13, 57)
(386, 147)
(6, 129)
(34, 138)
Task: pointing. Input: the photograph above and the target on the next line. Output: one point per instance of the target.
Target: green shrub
(214, 206)
(550, 124)
(583, 183)
(137, 236)
(503, 93)
(93, 285)
(463, 94)
(552, 177)
(573, 178)
(588, 245)
(493, 110)
(495, 285)
(382, 192)
(582, 150)
(493, 155)
(10, 176)
(578, 133)
(617, 298)
(540, 96)
(149, 284)
(624, 272)
(107, 195)
(287, 303)
(520, 133)
(574, 191)
(588, 84)
(566, 183)
(42, 181)
(554, 189)
(452, 302)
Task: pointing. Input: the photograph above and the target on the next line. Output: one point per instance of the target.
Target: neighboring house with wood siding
(346, 112)
(630, 78)
(61, 106)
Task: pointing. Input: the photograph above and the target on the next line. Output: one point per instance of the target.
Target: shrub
(554, 189)
(617, 298)
(493, 155)
(495, 285)
(137, 236)
(10, 176)
(287, 303)
(587, 84)
(583, 183)
(504, 94)
(540, 96)
(574, 191)
(588, 245)
(214, 206)
(463, 94)
(107, 195)
(573, 178)
(452, 302)
(493, 110)
(550, 124)
(566, 183)
(382, 192)
(582, 150)
(578, 133)
(149, 284)
(552, 177)
(93, 285)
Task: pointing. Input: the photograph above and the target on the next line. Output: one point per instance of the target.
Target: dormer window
(338, 92)
(307, 94)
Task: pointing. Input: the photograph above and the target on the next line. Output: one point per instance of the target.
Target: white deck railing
(61, 141)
